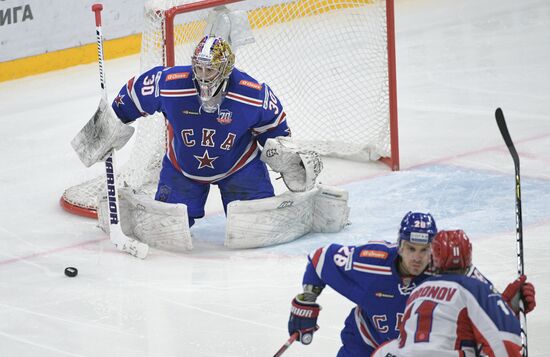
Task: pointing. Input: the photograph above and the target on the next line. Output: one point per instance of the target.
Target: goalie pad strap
(161, 225)
(286, 217)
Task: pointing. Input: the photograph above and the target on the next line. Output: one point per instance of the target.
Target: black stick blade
(499, 115)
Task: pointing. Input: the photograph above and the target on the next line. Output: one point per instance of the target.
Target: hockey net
(330, 62)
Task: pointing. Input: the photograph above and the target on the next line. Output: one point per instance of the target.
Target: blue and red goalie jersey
(367, 275)
(205, 147)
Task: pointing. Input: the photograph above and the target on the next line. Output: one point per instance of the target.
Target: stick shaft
(287, 344)
(96, 8)
(117, 237)
(501, 122)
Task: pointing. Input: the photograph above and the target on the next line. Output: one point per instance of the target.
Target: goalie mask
(212, 63)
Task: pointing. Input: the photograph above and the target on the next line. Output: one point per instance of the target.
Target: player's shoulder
(176, 77)
(376, 252)
(473, 285)
(241, 83)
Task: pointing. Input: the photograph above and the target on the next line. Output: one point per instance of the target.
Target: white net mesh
(325, 59)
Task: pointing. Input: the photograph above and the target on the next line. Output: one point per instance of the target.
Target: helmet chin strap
(211, 104)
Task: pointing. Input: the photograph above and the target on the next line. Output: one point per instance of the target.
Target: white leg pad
(331, 209)
(161, 225)
(286, 217)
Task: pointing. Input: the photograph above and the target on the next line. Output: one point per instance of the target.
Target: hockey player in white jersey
(452, 314)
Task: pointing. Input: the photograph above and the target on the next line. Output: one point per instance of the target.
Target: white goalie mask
(212, 63)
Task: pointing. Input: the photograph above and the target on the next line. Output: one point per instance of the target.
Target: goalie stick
(499, 115)
(287, 344)
(122, 242)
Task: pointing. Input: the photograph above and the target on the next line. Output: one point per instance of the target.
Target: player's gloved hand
(519, 287)
(303, 319)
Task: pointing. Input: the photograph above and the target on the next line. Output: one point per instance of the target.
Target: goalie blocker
(286, 217)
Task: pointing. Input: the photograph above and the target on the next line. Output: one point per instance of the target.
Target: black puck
(71, 272)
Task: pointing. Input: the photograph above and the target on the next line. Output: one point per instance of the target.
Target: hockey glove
(298, 167)
(101, 134)
(303, 319)
(519, 287)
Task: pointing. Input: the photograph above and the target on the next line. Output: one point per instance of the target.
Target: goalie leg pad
(331, 209)
(299, 168)
(161, 225)
(286, 217)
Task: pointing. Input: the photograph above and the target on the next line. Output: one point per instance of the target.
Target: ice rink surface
(457, 61)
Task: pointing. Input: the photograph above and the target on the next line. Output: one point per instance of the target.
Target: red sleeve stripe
(178, 92)
(130, 84)
(262, 129)
(365, 333)
(463, 330)
(494, 348)
(373, 269)
(513, 349)
(316, 256)
(171, 152)
(133, 96)
(243, 99)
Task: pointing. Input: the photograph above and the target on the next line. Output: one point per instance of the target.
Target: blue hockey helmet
(417, 227)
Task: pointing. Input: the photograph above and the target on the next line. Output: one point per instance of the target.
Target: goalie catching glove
(161, 225)
(299, 168)
(103, 133)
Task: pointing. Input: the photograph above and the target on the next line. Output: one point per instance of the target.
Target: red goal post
(330, 62)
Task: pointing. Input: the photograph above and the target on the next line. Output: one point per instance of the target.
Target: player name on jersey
(434, 292)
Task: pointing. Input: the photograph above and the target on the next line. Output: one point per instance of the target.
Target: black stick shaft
(501, 122)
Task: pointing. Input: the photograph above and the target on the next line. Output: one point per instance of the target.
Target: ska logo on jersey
(118, 100)
(205, 160)
(224, 117)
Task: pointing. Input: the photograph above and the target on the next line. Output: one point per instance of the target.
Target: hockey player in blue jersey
(218, 120)
(217, 117)
(378, 277)
(452, 314)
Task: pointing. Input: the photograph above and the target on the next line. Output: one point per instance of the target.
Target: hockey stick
(122, 242)
(499, 115)
(287, 344)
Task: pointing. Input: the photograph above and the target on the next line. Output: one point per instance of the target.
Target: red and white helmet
(451, 250)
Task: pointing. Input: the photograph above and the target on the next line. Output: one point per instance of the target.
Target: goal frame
(167, 57)
(393, 160)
